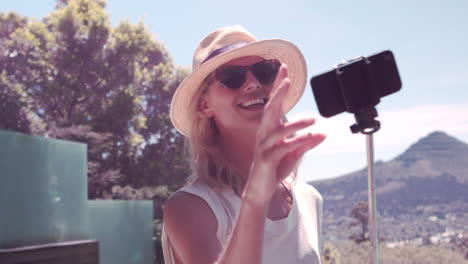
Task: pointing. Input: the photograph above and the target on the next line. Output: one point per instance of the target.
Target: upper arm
(191, 227)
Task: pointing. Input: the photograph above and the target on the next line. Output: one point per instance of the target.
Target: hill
(421, 192)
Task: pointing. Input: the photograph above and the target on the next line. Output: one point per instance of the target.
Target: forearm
(246, 242)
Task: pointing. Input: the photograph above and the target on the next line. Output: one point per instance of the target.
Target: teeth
(252, 102)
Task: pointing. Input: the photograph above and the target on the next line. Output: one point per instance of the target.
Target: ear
(205, 107)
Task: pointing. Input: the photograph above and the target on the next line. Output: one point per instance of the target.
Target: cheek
(221, 99)
(224, 108)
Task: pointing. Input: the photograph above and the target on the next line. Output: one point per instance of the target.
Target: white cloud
(343, 152)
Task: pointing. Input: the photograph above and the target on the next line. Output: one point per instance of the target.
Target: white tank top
(294, 239)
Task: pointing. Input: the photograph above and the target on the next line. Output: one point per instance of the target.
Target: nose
(251, 83)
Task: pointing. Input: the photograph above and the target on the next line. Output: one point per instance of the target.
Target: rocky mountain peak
(436, 145)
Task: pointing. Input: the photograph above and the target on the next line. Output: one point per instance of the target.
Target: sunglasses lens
(234, 76)
(266, 71)
(231, 76)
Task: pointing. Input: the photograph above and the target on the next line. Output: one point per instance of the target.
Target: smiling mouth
(254, 103)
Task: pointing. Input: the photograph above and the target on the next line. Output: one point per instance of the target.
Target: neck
(238, 147)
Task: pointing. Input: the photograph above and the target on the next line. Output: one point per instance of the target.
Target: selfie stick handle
(373, 232)
(366, 124)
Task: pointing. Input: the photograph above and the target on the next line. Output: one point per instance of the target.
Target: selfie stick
(366, 124)
(356, 86)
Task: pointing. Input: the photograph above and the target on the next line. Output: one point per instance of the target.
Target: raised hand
(277, 148)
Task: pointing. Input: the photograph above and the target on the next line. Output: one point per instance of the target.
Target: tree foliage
(460, 244)
(73, 76)
(330, 254)
(360, 213)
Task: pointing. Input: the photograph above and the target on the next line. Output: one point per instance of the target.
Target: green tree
(360, 213)
(330, 254)
(460, 244)
(13, 107)
(73, 76)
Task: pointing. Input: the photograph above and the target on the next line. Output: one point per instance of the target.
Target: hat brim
(282, 50)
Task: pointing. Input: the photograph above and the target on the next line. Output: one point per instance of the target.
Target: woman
(244, 204)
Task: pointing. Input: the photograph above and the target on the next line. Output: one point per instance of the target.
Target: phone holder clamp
(365, 122)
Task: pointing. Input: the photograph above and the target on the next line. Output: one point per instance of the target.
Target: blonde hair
(207, 160)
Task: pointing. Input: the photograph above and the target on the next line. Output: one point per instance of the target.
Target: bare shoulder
(183, 206)
(189, 220)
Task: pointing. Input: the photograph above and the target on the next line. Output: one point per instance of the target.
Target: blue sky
(428, 38)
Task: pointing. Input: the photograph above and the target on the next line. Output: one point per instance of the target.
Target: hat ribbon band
(216, 52)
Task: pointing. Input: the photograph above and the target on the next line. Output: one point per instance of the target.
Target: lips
(253, 103)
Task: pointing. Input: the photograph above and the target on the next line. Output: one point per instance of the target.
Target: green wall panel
(124, 230)
(43, 190)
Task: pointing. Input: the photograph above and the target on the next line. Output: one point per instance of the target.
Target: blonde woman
(244, 203)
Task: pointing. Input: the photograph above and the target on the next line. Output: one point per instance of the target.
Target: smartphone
(357, 85)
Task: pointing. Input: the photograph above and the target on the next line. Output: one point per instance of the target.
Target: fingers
(286, 130)
(290, 160)
(273, 109)
(282, 74)
(272, 131)
(296, 146)
(276, 152)
(317, 139)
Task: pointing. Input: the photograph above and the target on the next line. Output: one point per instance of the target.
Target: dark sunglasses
(234, 76)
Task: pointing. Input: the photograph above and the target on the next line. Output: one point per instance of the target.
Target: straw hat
(226, 44)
